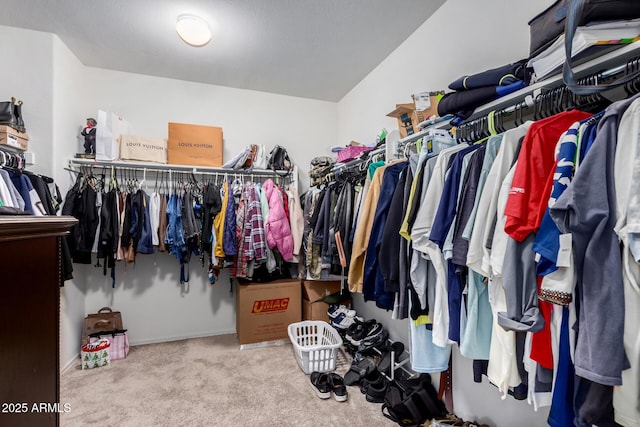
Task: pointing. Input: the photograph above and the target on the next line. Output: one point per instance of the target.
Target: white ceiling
(317, 49)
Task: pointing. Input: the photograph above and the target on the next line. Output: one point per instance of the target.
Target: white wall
(27, 74)
(303, 126)
(462, 37)
(67, 117)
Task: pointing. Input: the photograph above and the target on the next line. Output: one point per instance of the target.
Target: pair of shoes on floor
(367, 331)
(336, 309)
(324, 384)
(341, 317)
(374, 387)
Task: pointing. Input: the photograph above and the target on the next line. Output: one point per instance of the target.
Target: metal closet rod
(178, 168)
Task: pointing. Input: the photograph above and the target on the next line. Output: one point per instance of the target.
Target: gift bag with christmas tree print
(96, 354)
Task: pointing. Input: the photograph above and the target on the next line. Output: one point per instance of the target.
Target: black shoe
(7, 114)
(370, 330)
(374, 377)
(17, 111)
(379, 342)
(359, 370)
(319, 382)
(336, 382)
(355, 328)
(376, 391)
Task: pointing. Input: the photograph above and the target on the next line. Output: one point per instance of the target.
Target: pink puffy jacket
(277, 226)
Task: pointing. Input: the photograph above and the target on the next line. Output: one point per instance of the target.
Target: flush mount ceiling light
(193, 30)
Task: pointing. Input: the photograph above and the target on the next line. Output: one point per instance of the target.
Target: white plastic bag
(260, 159)
(109, 128)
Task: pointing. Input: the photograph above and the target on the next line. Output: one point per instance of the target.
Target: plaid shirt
(254, 233)
(239, 267)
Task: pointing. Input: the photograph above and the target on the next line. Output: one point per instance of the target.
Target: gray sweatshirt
(587, 210)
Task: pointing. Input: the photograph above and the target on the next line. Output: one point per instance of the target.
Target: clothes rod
(184, 168)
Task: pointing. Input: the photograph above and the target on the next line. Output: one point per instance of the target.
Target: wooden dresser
(30, 319)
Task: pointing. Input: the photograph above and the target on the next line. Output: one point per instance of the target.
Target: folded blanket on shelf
(501, 76)
(463, 103)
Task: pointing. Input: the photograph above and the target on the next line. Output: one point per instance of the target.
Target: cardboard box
(194, 145)
(265, 310)
(408, 117)
(312, 292)
(11, 137)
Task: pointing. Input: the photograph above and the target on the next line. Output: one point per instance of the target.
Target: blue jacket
(373, 284)
(145, 244)
(229, 244)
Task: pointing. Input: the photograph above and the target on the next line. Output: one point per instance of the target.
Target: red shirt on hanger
(535, 163)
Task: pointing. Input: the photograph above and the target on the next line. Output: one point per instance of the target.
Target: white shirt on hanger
(487, 205)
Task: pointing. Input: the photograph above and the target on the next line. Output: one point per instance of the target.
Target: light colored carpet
(207, 382)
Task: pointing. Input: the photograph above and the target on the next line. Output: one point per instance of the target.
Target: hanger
(144, 179)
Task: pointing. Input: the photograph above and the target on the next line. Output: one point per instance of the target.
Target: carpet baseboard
(180, 337)
(70, 363)
(264, 344)
(157, 340)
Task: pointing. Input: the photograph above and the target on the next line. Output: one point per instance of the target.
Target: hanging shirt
(478, 255)
(626, 399)
(218, 227)
(162, 224)
(373, 283)
(239, 267)
(401, 305)
(584, 210)
(24, 187)
(363, 231)
(254, 233)
(264, 206)
(297, 219)
(427, 212)
(16, 199)
(154, 217)
(535, 164)
(388, 257)
(416, 188)
(229, 244)
(420, 238)
(467, 199)
(443, 220)
(5, 195)
(493, 144)
(122, 199)
(530, 189)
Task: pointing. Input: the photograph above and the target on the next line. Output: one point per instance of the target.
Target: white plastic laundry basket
(315, 345)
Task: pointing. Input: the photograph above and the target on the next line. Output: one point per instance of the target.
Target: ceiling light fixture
(193, 30)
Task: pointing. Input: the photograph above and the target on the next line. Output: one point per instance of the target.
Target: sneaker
(357, 329)
(319, 382)
(336, 382)
(371, 331)
(379, 342)
(336, 309)
(374, 377)
(342, 321)
(376, 391)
